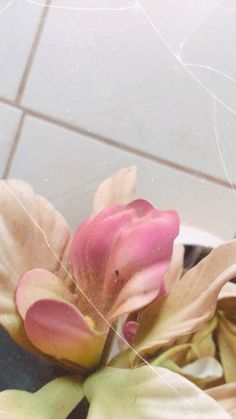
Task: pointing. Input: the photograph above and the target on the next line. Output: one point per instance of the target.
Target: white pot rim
(194, 236)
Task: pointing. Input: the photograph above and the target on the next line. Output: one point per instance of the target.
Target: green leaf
(147, 393)
(201, 370)
(193, 357)
(226, 338)
(53, 401)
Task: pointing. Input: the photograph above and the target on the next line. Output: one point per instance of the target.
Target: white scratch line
(218, 146)
(211, 12)
(6, 7)
(198, 81)
(214, 70)
(83, 9)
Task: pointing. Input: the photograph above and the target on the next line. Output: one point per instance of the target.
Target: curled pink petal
(140, 246)
(141, 206)
(144, 287)
(119, 244)
(92, 242)
(39, 284)
(129, 330)
(59, 329)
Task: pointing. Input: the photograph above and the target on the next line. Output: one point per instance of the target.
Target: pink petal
(139, 291)
(92, 246)
(146, 242)
(39, 284)
(129, 330)
(110, 249)
(58, 329)
(94, 240)
(141, 206)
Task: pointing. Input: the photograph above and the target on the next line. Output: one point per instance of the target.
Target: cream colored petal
(226, 396)
(227, 299)
(190, 304)
(32, 235)
(118, 189)
(175, 269)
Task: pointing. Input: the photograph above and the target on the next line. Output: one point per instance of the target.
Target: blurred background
(90, 86)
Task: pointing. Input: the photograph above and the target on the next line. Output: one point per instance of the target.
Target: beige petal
(227, 299)
(33, 235)
(118, 189)
(226, 396)
(175, 269)
(190, 304)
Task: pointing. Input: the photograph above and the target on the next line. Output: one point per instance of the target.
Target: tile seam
(33, 50)
(129, 149)
(14, 146)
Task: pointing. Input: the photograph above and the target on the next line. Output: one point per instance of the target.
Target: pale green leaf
(226, 338)
(53, 401)
(147, 393)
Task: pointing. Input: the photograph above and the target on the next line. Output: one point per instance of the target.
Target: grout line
(9, 102)
(123, 147)
(14, 147)
(33, 50)
(129, 149)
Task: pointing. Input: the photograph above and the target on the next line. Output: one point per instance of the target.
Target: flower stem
(108, 345)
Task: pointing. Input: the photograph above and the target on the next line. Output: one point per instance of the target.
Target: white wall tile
(67, 167)
(9, 121)
(111, 73)
(18, 25)
(177, 21)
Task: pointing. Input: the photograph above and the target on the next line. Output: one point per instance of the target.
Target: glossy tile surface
(67, 167)
(19, 22)
(140, 90)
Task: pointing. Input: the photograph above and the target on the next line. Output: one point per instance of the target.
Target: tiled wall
(88, 87)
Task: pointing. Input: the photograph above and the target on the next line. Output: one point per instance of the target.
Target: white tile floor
(101, 85)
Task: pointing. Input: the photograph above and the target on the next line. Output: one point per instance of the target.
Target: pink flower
(118, 258)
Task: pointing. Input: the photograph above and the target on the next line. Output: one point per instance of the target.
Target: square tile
(9, 122)
(18, 26)
(131, 89)
(67, 167)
